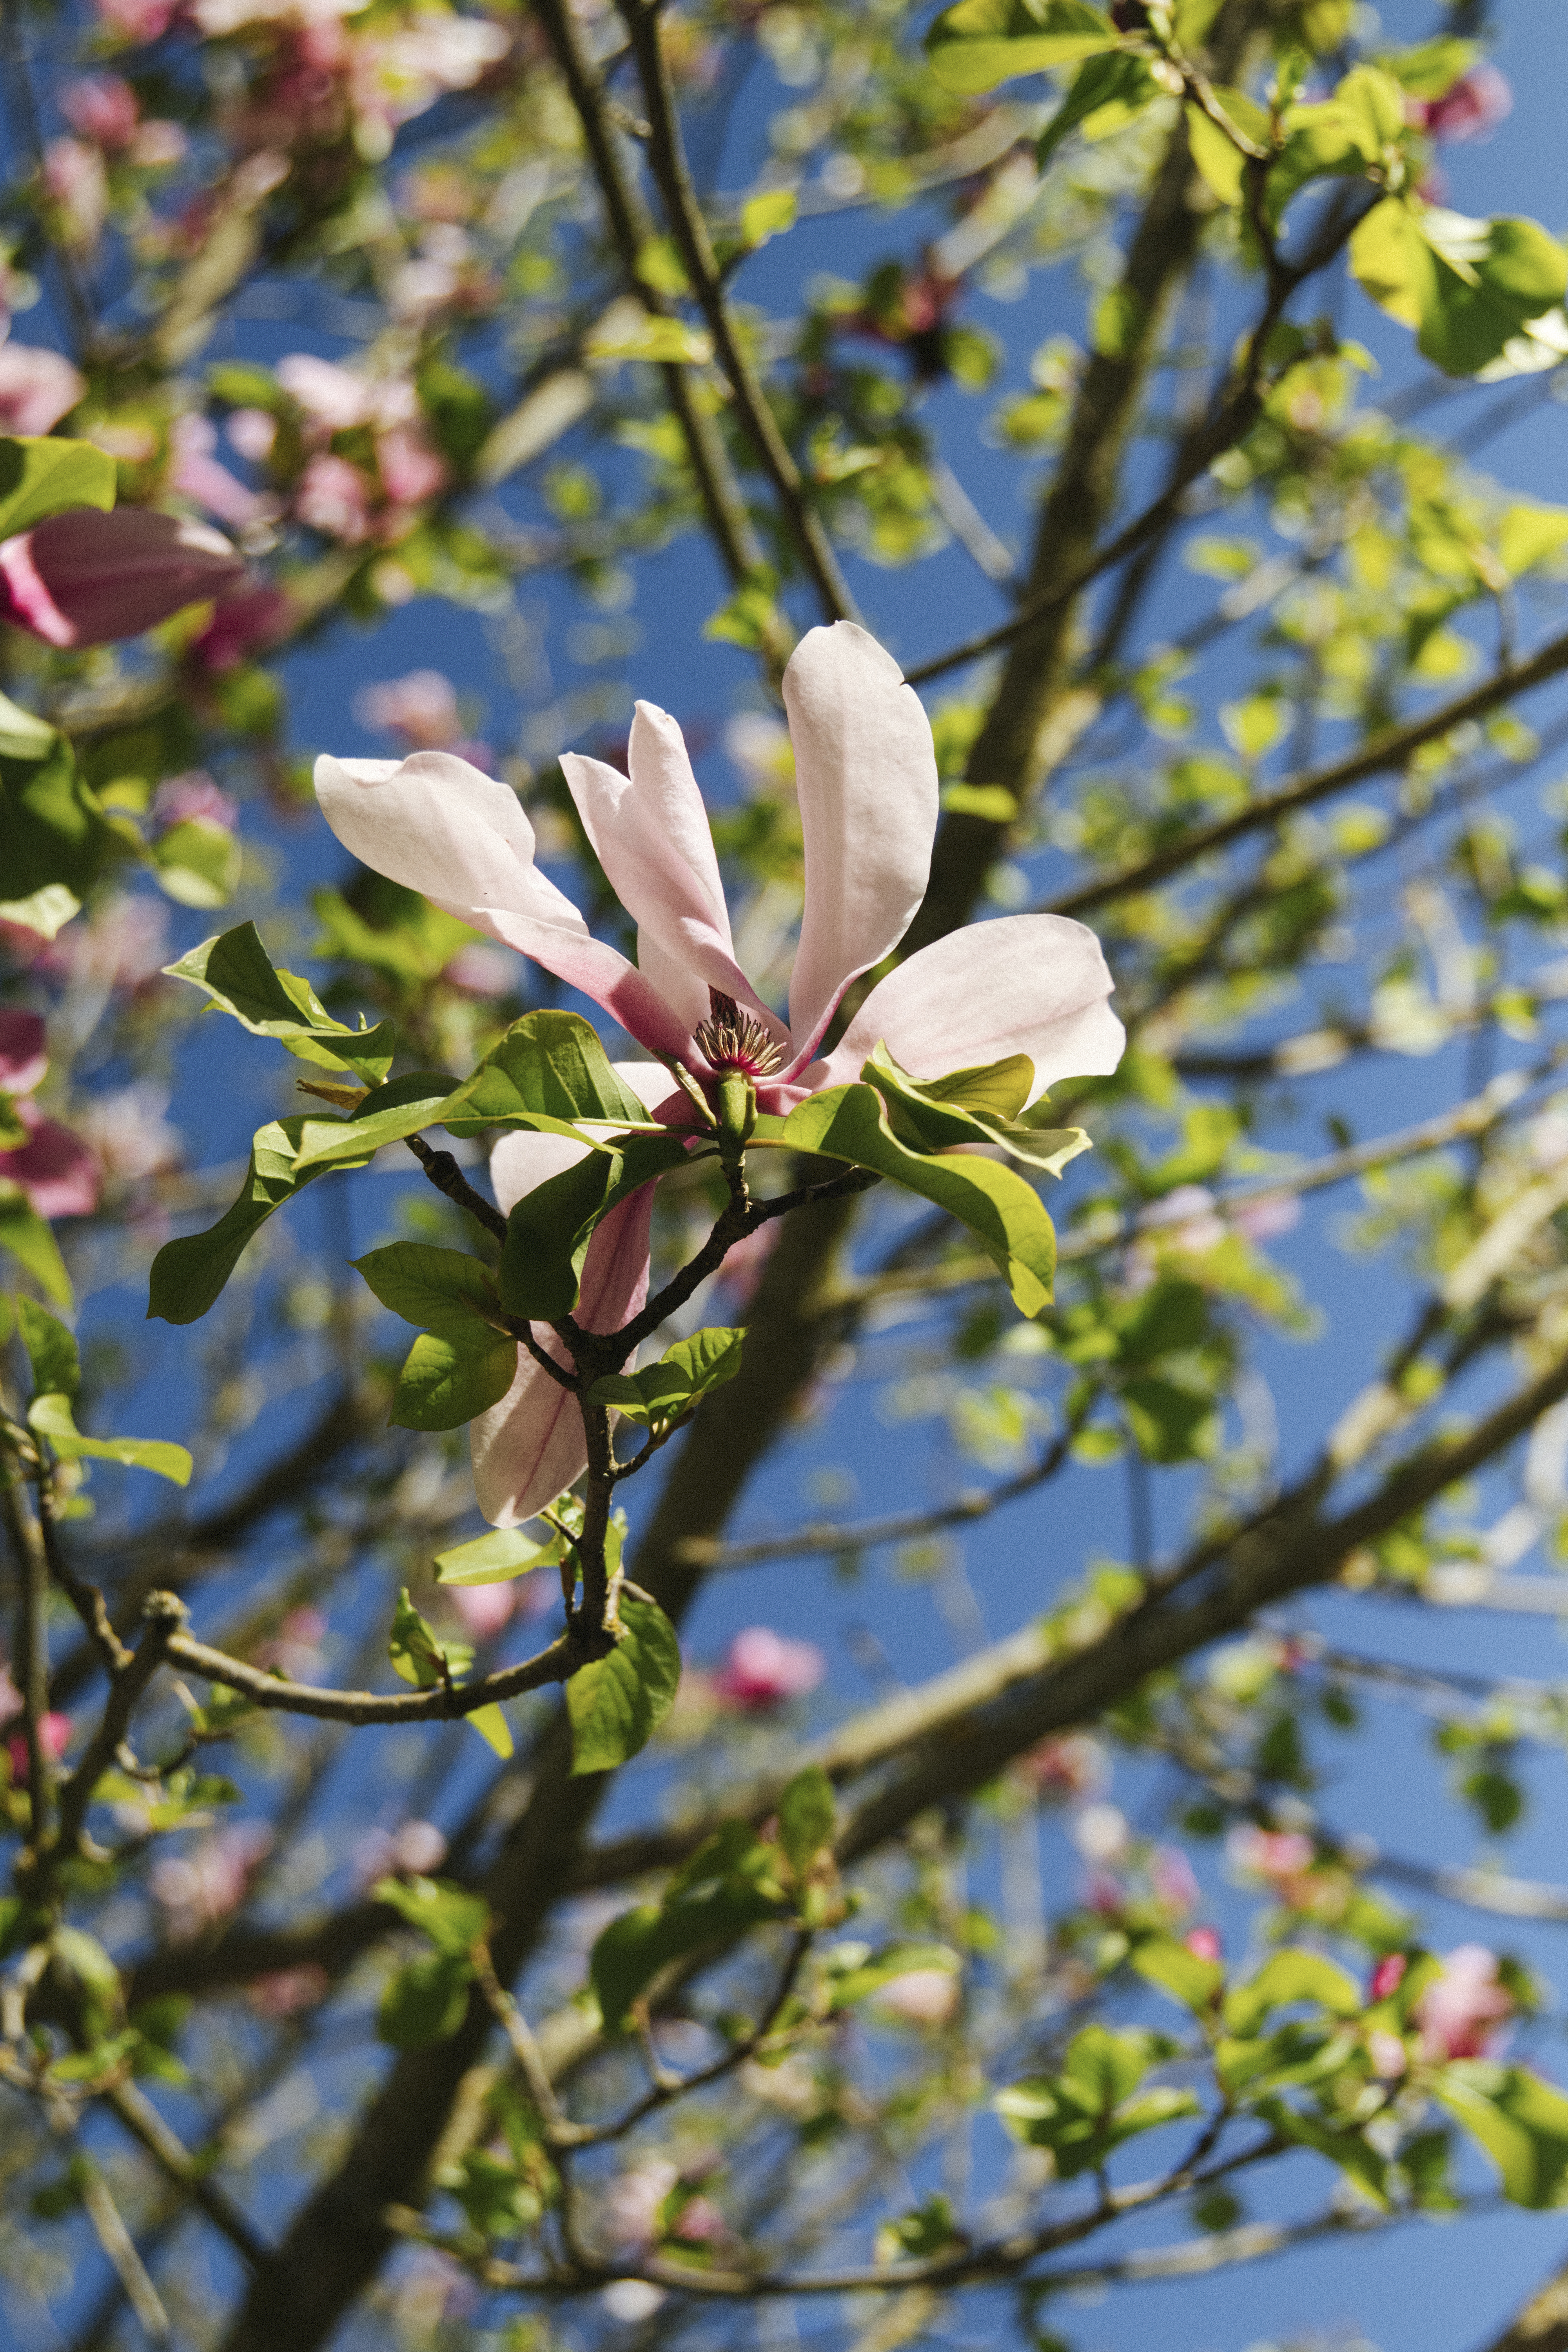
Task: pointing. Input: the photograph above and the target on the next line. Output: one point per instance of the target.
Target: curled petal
(1035, 984)
(651, 836)
(866, 774)
(83, 578)
(438, 826)
(57, 1174)
(528, 1448)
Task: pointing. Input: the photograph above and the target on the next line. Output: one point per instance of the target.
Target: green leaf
(449, 1378)
(236, 972)
(1520, 2121)
(850, 1123)
(46, 477)
(22, 736)
(935, 1115)
(436, 1289)
(198, 864)
(1344, 2146)
(45, 910)
(727, 1888)
(548, 1231)
(808, 1817)
(415, 1652)
(617, 1702)
(982, 42)
(1108, 92)
(51, 1417)
(856, 1972)
(551, 1064)
(56, 837)
(493, 1728)
(682, 1377)
(189, 1275)
(623, 334)
(425, 2002)
(767, 216)
(496, 1557)
(1467, 287)
(388, 1113)
(454, 1919)
(51, 1351)
(1185, 1976)
(1223, 163)
(1287, 1976)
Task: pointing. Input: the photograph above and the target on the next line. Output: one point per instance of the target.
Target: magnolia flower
(1467, 108)
(763, 1670)
(867, 781)
(37, 388)
(921, 1996)
(1461, 2015)
(55, 1173)
(85, 578)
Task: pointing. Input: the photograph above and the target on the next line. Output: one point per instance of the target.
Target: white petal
(866, 774)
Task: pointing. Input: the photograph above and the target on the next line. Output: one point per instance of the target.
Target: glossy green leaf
(188, 1276)
(433, 1288)
(935, 1115)
(682, 1377)
(617, 1702)
(46, 477)
(54, 835)
(236, 972)
(1467, 287)
(982, 42)
(402, 1107)
(448, 1379)
(198, 864)
(728, 1886)
(496, 1557)
(32, 1243)
(51, 1417)
(551, 1064)
(52, 1352)
(548, 1231)
(850, 1123)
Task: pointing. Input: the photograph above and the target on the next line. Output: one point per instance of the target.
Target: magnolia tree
(703, 1995)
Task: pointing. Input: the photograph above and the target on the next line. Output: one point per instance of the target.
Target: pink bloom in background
(103, 108)
(242, 624)
(1188, 1216)
(411, 470)
(334, 498)
(762, 1670)
(129, 1134)
(252, 432)
(1277, 1856)
(197, 475)
(922, 1996)
(24, 1053)
(137, 20)
(1269, 1216)
(1064, 1769)
(1204, 1942)
(87, 579)
(53, 1737)
(77, 185)
(54, 1169)
(421, 708)
(37, 388)
(867, 782)
(123, 943)
(1388, 2054)
(483, 971)
(632, 2203)
(413, 1850)
(295, 1649)
(286, 1992)
(1461, 2014)
(200, 1889)
(195, 798)
(1387, 1977)
(1469, 109)
(483, 1609)
(1175, 1880)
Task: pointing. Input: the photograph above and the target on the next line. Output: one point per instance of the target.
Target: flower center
(731, 1039)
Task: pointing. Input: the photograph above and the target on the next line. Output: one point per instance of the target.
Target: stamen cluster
(731, 1039)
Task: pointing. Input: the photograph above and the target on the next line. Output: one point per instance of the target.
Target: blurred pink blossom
(1388, 2055)
(57, 1173)
(1204, 1942)
(195, 798)
(196, 474)
(84, 578)
(922, 1996)
(202, 1888)
(103, 108)
(1064, 1768)
(289, 1991)
(54, 1737)
(763, 1670)
(411, 470)
(486, 970)
(241, 625)
(137, 20)
(252, 432)
(1274, 1855)
(421, 708)
(1461, 2015)
(38, 388)
(483, 1609)
(1388, 1976)
(77, 185)
(632, 2204)
(1264, 1219)
(1174, 1880)
(1191, 1211)
(124, 943)
(129, 1134)
(1469, 108)
(295, 1649)
(332, 498)
(24, 1053)
(413, 1850)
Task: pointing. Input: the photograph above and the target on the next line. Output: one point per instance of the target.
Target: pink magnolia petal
(37, 388)
(58, 1173)
(438, 826)
(866, 774)
(651, 836)
(1034, 984)
(23, 1056)
(83, 578)
(529, 1447)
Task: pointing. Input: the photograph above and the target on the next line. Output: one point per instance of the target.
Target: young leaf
(682, 1377)
(436, 1289)
(29, 1240)
(1520, 2121)
(549, 1230)
(51, 1351)
(496, 1557)
(617, 1702)
(1185, 1976)
(727, 1886)
(425, 2002)
(46, 477)
(808, 1816)
(767, 216)
(189, 1275)
(23, 736)
(452, 1917)
(1108, 92)
(236, 972)
(416, 1654)
(493, 1728)
(449, 1377)
(850, 1123)
(1467, 287)
(51, 1417)
(550, 1065)
(1292, 1976)
(387, 1114)
(982, 42)
(935, 1116)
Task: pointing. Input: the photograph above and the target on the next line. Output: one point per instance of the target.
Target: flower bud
(85, 578)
